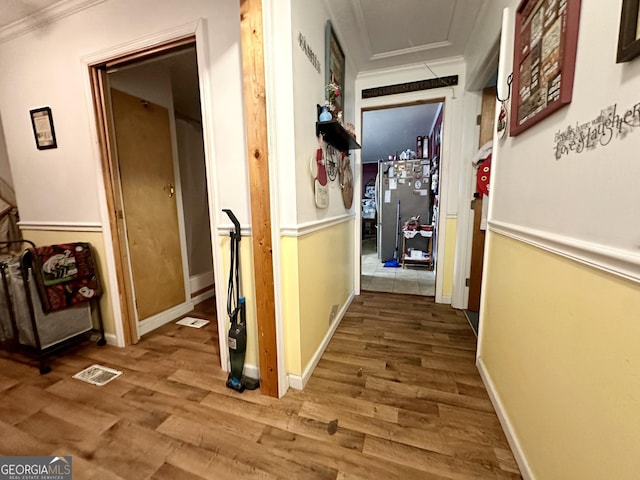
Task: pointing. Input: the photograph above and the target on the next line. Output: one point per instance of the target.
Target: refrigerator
(403, 188)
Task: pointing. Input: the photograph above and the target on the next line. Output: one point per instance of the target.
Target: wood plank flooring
(395, 396)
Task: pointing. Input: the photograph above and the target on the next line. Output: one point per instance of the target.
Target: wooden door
(487, 123)
(145, 160)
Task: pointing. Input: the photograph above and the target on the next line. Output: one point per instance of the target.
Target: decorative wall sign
(42, 123)
(346, 182)
(503, 119)
(313, 58)
(334, 64)
(546, 40)
(600, 131)
(629, 36)
(408, 87)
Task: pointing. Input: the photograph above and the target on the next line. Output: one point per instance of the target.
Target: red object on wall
(483, 176)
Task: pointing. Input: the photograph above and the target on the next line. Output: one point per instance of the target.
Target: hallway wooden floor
(395, 396)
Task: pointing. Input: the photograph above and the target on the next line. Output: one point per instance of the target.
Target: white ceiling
(374, 33)
(384, 34)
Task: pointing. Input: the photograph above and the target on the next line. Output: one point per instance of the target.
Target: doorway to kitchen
(401, 162)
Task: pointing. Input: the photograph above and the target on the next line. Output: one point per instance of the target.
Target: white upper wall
(309, 18)
(148, 81)
(591, 196)
(63, 185)
(484, 37)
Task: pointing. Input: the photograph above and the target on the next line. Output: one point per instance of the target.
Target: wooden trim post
(255, 110)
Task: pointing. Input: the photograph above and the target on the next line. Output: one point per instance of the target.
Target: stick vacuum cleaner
(236, 309)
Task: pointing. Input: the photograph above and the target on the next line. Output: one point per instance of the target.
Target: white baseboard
(203, 296)
(201, 281)
(443, 300)
(112, 339)
(163, 318)
(298, 382)
(507, 426)
(251, 371)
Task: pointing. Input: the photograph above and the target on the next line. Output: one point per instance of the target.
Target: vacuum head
(242, 384)
(235, 384)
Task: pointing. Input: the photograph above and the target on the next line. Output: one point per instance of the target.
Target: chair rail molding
(61, 226)
(315, 225)
(617, 261)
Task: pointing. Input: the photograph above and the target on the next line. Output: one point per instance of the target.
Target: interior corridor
(396, 395)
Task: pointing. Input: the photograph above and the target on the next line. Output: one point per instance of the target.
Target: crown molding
(44, 17)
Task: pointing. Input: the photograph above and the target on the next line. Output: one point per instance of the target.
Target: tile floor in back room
(413, 279)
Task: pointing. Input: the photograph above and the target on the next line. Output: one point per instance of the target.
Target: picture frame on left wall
(334, 66)
(629, 35)
(43, 131)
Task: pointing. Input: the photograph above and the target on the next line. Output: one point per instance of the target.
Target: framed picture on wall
(544, 59)
(334, 66)
(629, 36)
(42, 123)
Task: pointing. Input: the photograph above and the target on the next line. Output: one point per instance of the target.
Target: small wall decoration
(306, 48)
(42, 123)
(319, 174)
(334, 68)
(398, 88)
(501, 124)
(546, 40)
(629, 36)
(613, 123)
(346, 181)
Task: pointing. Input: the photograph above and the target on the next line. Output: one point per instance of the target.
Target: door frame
(383, 103)
(473, 106)
(159, 43)
(157, 320)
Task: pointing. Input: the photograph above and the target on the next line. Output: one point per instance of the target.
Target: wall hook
(509, 82)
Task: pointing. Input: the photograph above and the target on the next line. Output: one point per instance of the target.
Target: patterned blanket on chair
(66, 275)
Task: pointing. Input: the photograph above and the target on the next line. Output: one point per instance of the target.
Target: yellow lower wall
(318, 272)
(291, 303)
(448, 259)
(51, 237)
(560, 341)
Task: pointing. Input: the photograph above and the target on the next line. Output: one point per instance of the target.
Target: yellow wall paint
(248, 291)
(560, 341)
(326, 264)
(448, 259)
(291, 304)
(46, 237)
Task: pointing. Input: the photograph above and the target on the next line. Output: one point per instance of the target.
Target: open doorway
(156, 183)
(401, 157)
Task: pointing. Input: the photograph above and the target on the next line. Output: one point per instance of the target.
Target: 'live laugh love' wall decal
(600, 131)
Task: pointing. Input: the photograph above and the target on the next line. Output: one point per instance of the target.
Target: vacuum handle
(234, 220)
